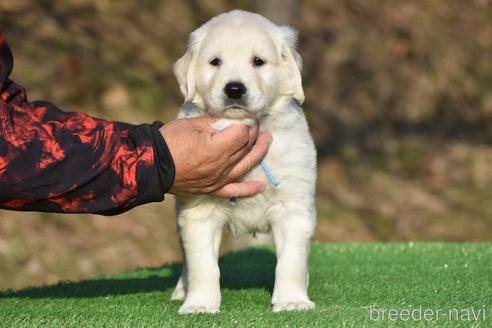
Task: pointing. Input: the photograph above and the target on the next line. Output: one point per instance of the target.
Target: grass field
(347, 280)
(397, 98)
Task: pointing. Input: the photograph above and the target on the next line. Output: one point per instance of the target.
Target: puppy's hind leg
(201, 240)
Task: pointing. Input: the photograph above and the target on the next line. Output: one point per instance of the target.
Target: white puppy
(240, 67)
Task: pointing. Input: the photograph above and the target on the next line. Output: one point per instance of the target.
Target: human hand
(212, 163)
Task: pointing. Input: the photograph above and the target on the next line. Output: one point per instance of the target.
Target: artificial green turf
(345, 281)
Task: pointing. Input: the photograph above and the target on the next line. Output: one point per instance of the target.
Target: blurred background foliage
(398, 97)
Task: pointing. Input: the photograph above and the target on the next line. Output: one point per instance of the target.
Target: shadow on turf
(252, 268)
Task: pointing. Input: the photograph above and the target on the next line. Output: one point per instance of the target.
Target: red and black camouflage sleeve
(56, 161)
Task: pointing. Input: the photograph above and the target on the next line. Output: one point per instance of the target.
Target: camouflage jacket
(56, 161)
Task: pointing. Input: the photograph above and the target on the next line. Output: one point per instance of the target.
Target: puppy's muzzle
(235, 90)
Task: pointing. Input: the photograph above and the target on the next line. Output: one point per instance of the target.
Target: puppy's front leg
(179, 292)
(201, 240)
(292, 236)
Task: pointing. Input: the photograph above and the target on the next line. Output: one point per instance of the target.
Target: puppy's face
(238, 65)
(237, 72)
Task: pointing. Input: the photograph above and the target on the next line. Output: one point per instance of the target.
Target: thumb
(240, 189)
(203, 122)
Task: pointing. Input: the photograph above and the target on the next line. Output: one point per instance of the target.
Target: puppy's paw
(203, 302)
(293, 306)
(178, 294)
(198, 308)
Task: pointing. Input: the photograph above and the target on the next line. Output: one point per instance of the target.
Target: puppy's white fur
(274, 92)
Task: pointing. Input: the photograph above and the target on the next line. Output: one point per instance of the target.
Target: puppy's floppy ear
(184, 74)
(292, 61)
(184, 69)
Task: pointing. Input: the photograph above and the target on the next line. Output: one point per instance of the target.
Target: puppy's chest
(254, 214)
(288, 163)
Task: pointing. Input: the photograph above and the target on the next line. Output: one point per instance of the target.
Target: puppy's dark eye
(215, 62)
(257, 61)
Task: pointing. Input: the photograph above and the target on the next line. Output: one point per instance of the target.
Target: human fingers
(253, 158)
(234, 138)
(240, 153)
(240, 189)
(253, 135)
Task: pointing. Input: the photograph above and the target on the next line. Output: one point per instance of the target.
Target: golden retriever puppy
(240, 67)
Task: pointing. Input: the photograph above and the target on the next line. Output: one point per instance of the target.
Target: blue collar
(272, 179)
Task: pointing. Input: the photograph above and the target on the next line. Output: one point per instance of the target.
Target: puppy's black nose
(235, 90)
